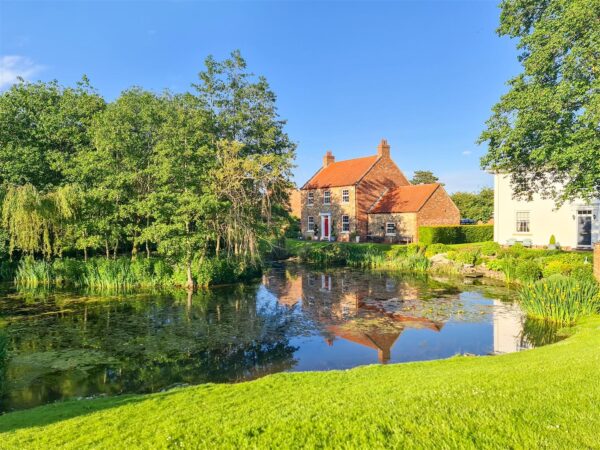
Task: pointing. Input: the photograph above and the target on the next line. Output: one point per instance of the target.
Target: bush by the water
(456, 234)
(119, 273)
(406, 257)
(560, 299)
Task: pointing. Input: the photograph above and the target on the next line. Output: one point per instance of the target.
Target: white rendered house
(574, 225)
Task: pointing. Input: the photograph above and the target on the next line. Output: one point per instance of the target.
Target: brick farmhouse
(370, 198)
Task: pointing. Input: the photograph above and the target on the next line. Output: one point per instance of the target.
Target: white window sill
(390, 234)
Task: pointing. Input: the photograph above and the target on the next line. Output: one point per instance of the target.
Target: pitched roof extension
(404, 199)
(342, 173)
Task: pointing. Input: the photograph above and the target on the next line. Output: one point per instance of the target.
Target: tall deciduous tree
(475, 205)
(545, 131)
(42, 126)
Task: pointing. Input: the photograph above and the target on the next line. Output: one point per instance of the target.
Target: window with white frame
(310, 199)
(327, 198)
(345, 195)
(523, 222)
(390, 229)
(311, 224)
(345, 224)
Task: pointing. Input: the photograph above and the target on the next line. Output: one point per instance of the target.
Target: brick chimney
(328, 158)
(383, 149)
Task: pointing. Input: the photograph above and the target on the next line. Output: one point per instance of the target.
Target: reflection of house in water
(367, 312)
(382, 342)
(508, 326)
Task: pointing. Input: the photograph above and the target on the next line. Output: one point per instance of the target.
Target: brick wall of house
(337, 209)
(383, 175)
(295, 202)
(597, 261)
(406, 226)
(438, 210)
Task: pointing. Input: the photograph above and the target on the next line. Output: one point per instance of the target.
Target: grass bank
(547, 397)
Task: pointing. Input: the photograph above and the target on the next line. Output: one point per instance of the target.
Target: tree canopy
(198, 174)
(478, 206)
(545, 131)
(424, 177)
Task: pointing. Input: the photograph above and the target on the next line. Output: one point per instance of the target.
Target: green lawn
(543, 398)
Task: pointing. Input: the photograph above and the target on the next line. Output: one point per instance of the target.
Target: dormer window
(310, 200)
(327, 198)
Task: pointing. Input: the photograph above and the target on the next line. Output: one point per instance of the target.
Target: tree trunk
(190, 280)
(115, 249)
(107, 247)
(85, 254)
(134, 250)
(147, 249)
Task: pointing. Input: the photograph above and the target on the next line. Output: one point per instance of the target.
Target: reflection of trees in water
(151, 343)
(537, 333)
(3, 360)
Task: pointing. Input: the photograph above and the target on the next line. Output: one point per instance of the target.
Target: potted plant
(552, 244)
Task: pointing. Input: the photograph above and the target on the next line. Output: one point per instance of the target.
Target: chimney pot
(328, 158)
(383, 149)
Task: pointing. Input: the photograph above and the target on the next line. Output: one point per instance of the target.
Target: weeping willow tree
(245, 187)
(36, 222)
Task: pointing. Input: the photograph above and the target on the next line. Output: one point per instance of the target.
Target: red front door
(326, 226)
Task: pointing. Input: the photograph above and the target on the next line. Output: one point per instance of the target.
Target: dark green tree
(475, 205)
(424, 177)
(545, 131)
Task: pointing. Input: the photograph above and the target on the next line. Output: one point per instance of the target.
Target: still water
(63, 345)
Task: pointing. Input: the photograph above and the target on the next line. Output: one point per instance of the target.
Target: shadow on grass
(57, 412)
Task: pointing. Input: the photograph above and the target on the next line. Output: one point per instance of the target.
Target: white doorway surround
(585, 217)
(325, 226)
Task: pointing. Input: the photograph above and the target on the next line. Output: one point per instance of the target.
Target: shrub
(490, 248)
(528, 271)
(552, 240)
(415, 248)
(467, 256)
(508, 266)
(435, 249)
(560, 299)
(456, 234)
(416, 263)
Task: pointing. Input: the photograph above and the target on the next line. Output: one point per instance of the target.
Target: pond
(62, 345)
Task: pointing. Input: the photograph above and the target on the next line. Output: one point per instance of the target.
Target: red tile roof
(404, 199)
(342, 173)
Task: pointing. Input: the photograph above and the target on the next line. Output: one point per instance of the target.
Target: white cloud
(14, 66)
(467, 152)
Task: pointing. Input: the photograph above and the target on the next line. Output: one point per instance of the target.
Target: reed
(560, 299)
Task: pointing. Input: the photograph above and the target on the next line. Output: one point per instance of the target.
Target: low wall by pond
(597, 260)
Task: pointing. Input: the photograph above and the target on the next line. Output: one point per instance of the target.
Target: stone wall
(406, 226)
(336, 208)
(597, 261)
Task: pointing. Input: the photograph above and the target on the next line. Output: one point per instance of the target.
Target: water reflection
(67, 344)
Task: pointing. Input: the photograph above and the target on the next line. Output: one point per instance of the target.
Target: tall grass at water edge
(123, 273)
(408, 258)
(561, 299)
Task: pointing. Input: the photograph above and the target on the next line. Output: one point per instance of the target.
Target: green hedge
(459, 234)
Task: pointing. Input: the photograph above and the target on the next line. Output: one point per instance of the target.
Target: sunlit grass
(542, 398)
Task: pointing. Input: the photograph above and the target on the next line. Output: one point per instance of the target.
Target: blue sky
(422, 74)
